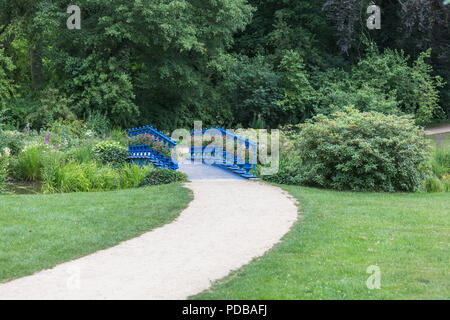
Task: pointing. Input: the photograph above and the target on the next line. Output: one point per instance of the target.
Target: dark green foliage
(18, 109)
(289, 170)
(362, 152)
(98, 123)
(163, 176)
(130, 59)
(260, 63)
(111, 152)
(299, 96)
(3, 170)
(413, 86)
(251, 87)
(54, 106)
(7, 87)
(385, 83)
(12, 140)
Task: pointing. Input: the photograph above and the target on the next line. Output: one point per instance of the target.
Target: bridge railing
(243, 164)
(148, 145)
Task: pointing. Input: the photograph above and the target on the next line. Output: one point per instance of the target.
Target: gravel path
(438, 130)
(228, 223)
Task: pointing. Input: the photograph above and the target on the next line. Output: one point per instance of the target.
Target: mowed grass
(338, 236)
(39, 231)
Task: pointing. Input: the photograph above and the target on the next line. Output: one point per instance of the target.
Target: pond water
(24, 187)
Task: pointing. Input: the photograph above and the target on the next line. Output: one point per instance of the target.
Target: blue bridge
(147, 145)
(216, 147)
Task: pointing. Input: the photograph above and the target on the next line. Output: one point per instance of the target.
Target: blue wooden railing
(148, 145)
(219, 155)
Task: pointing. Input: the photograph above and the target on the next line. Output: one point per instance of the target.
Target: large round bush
(111, 152)
(363, 151)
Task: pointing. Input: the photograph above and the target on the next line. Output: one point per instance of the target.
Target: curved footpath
(228, 223)
(437, 130)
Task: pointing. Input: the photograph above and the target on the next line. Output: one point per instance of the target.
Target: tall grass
(3, 172)
(82, 154)
(90, 176)
(29, 163)
(440, 162)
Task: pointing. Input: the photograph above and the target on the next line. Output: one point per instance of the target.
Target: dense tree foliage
(259, 63)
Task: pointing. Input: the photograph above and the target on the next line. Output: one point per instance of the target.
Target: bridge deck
(206, 172)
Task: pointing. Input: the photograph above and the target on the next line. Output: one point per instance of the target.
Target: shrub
(433, 184)
(385, 82)
(413, 85)
(111, 152)
(69, 177)
(440, 162)
(29, 163)
(119, 135)
(364, 151)
(133, 175)
(251, 86)
(13, 140)
(163, 176)
(82, 154)
(446, 183)
(60, 176)
(98, 122)
(4, 155)
(54, 106)
(289, 170)
(67, 134)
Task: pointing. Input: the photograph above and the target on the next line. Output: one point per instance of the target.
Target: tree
(130, 59)
(7, 87)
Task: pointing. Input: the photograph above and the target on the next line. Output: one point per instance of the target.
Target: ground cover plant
(163, 176)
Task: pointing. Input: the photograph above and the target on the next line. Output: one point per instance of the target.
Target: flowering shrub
(111, 152)
(12, 140)
(363, 151)
(149, 140)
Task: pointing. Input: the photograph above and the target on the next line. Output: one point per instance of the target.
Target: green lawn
(40, 231)
(339, 235)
